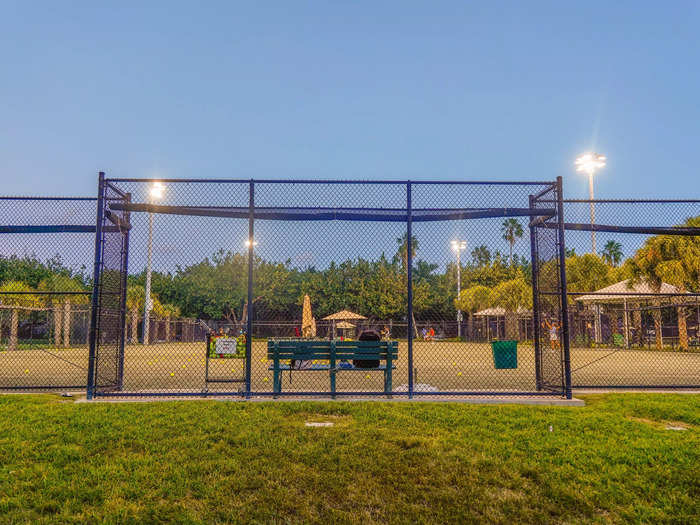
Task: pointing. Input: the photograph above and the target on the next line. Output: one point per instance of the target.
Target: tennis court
(442, 366)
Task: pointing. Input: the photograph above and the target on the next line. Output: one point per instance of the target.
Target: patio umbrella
(343, 315)
(308, 323)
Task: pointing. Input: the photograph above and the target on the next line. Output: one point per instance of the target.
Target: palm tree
(673, 260)
(169, 312)
(402, 254)
(612, 253)
(512, 231)
(135, 299)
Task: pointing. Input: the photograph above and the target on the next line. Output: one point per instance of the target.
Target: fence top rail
(324, 214)
(337, 181)
(627, 201)
(26, 198)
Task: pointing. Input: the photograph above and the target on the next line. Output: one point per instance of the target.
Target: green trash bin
(505, 354)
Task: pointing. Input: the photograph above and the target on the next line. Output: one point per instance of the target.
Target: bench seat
(332, 352)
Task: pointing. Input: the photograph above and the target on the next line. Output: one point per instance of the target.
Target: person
(424, 331)
(553, 334)
(386, 333)
(296, 332)
(432, 334)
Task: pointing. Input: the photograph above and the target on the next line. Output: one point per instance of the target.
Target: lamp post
(458, 246)
(155, 193)
(590, 163)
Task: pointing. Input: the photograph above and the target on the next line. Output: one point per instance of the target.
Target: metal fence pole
(564, 296)
(534, 257)
(122, 303)
(94, 319)
(249, 319)
(409, 285)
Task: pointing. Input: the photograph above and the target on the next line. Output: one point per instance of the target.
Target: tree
(402, 253)
(586, 273)
(672, 259)
(61, 304)
(481, 256)
(512, 296)
(612, 253)
(135, 302)
(471, 300)
(168, 312)
(18, 304)
(512, 231)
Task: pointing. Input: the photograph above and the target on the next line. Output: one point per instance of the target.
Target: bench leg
(276, 382)
(332, 383)
(388, 381)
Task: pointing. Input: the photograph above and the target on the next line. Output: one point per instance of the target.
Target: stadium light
(247, 243)
(589, 163)
(156, 193)
(458, 246)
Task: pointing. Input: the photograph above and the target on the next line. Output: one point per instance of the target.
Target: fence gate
(107, 329)
(550, 311)
(316, 264)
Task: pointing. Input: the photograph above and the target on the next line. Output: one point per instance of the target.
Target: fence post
(249, 320)
(122, 300)
(534, 257)
(409, 285)
(94, 318)
(562, 286)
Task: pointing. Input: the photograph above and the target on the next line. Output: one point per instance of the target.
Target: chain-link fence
(45, 287)
(330, 261)
(310, 288)
(633, 271)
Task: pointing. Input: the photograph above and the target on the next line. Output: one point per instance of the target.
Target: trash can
(505, 354)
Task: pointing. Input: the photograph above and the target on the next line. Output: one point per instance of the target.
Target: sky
(391, 90)
(444, 90)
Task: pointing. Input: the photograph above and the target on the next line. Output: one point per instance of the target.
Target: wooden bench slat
(332, 351)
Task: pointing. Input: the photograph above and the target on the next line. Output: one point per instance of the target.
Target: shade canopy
(343, 315)
(497, 311)
(627, 291)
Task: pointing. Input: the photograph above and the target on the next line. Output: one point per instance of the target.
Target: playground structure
(338, 248)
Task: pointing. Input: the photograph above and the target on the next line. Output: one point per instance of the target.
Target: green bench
(338, 354)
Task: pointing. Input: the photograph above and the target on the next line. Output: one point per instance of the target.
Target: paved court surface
(442, 366)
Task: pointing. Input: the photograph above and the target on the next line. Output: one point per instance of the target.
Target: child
(553, 335)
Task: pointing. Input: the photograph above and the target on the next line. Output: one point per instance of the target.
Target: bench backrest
(325, 349)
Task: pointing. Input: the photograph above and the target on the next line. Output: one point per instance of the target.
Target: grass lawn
(208, 461)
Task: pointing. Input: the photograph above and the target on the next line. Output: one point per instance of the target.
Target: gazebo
(343, 316)
(346, 328)
(625, 294)
(499, 314)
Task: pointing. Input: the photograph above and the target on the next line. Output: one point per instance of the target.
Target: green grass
(209, 462)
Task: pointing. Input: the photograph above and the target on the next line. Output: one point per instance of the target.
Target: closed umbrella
(308, 323)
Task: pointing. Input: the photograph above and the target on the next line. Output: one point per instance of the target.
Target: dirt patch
(662, 425)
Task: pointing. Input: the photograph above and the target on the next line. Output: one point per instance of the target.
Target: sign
(225, 345)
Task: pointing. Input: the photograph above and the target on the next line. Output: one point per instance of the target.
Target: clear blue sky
(421, 90)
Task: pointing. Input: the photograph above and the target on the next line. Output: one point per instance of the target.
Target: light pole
(155, 193)
(458, 246)
(590, 163)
